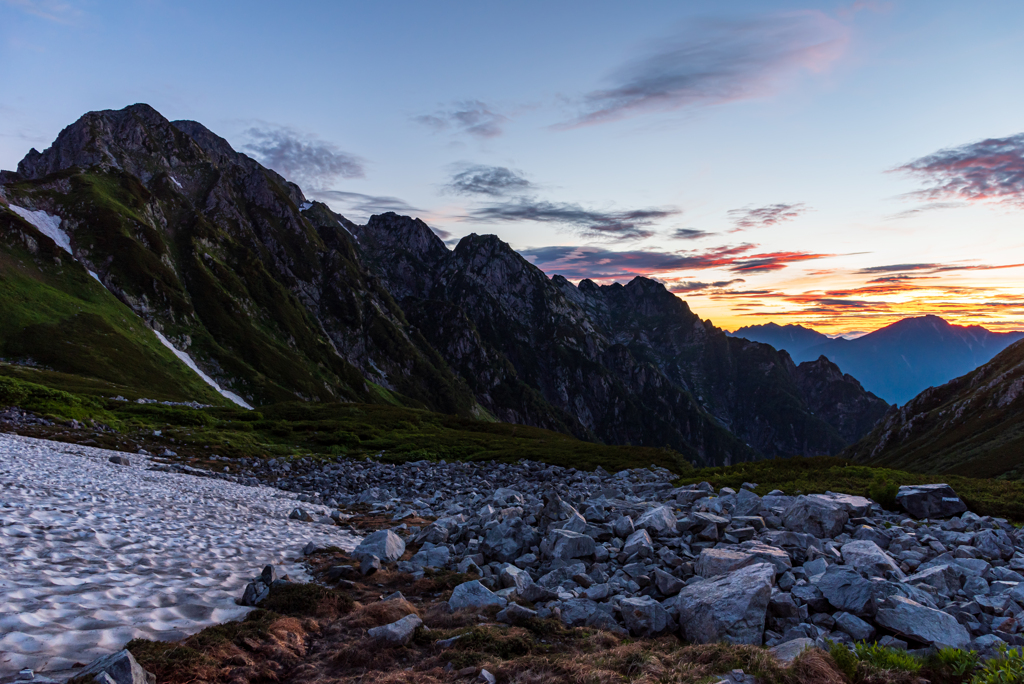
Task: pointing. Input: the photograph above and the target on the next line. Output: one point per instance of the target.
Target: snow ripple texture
(94, 554)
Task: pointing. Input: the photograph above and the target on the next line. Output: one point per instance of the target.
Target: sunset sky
(839, 165)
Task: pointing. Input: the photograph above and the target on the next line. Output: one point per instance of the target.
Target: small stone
(119, 460)
(397, 633)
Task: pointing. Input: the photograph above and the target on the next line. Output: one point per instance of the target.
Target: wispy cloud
(715, 61)
(630, 224)
(682, 286)
(991, 169)
(604, 264)
(494, 181)
(689, 234)
(925, 208)
(52, 10)
(306, 160)
(766, 216)
(469, 116)
(363, 204)
(934, 268)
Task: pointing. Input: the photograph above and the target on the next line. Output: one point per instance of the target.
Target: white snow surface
(94, 554)
(187, 360)
(305, 205)
(47, 224)
(175, 181)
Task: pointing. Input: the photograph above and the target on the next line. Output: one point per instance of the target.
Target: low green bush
(1008, 668)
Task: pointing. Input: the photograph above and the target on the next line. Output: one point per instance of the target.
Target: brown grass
(380, 613)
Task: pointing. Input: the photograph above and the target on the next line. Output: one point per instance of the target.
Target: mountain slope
(276, 299)
(973, 425)
(629, 364)
(898, 361)
(263, 289)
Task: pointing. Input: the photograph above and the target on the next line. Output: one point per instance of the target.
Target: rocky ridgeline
(629, 552)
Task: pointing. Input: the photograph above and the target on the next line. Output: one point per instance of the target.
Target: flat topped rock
(731, 608)
(930, 501)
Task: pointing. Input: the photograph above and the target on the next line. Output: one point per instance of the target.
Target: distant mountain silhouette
(896, 362)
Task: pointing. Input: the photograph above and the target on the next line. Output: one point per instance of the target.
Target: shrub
(954, 661)
(887, 658)
(1006, 669)
(884, 493)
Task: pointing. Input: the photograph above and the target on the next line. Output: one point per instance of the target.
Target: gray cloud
(697, 286)
(689, 234)
(495, 181)
(470, 116)
(766, 216)
(609, 225)
(305, 160)
(991, 169)
(716, 61)
(365, 204)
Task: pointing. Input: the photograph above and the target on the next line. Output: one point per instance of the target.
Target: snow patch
(187, 360)
(305, 205)
(47, 224)
(93, 274)
(175, 181)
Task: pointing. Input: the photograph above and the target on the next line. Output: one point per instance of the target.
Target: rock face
(729, 609)
(930, 501)
(815, 515)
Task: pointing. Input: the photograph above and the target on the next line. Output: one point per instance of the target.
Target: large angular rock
(854, 626)
(474, 595)
(788, 651)
(731, 608)
(944, 578)
(847, 590)
(566, 545)
(716, 562)
(639, 542)
(921, 623)
(384, 544)
(508, 540)
(867, 558)
(930, 501)
(121, 667)
(855, 506)
(657, 521)
(815, 515)
(644, 616)
(432, 556)
(398, 633)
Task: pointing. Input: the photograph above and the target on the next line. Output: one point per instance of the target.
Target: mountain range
(896, 362)
(971, 426)
(150, 253)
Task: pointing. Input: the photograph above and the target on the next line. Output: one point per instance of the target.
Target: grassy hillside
(302, 429)
(54, 314)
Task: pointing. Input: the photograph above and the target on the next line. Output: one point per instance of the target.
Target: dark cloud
(689, 234)
(766, 216)
(304, 160)
(603, 264)
(495, 181)
(716, 61)
(696, 286)
(470, 116)
(933, 268)
(991, 169)
(364, 204)
(631, 224)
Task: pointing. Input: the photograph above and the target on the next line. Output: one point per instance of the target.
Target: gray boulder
(513, 577)
(667, 584)
(506, 541)
(566, 545)
(815, 515)
(432, 556)
(944, 578)
(866, 557)
(255, 592)
(384, 544)
(121, 667)
(846, 590)
(716, 562)
(398, 633)
(657, 521)
(119, 460)
(787, 651)
(930, 501)
(639, 542)
(474, 595)
(731, 608)
(854, 626)
(515, 613)
(644, 616)
(921, 623)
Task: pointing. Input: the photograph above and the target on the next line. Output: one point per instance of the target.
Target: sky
(839, 165)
